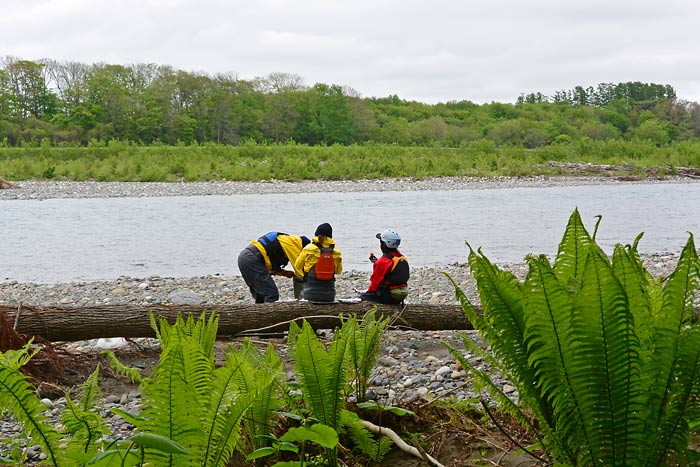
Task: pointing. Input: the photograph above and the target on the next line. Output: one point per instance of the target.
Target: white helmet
(390, 237)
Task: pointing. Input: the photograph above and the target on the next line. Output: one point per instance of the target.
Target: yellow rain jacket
(291, 246)
(310, 254)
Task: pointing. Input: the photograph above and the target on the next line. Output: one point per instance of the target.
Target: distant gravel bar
(39, 190)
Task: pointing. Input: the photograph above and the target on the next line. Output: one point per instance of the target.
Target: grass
(117, 161)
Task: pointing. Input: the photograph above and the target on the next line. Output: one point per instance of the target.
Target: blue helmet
(390, 238)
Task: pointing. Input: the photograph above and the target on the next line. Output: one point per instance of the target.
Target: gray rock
(184, 297)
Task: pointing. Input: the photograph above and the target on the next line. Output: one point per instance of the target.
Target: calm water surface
(64, 240)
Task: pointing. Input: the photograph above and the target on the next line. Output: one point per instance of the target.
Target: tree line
(72, 103)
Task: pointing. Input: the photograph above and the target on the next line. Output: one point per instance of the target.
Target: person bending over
(390, 273)
(319, 262)
(265, 257)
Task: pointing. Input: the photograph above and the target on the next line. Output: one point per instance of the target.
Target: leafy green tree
(29, 95)
(108, 88)
(325, 116)
(653, 130)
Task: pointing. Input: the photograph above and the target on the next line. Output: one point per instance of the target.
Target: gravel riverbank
(39, 190)
(413, 365)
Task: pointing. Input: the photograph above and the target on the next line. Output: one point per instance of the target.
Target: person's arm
(283, 272)
(299, 265)
(381, 266)
(338, 260)
(291, 246)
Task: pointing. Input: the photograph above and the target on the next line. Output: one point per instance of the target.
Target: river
(62, 240)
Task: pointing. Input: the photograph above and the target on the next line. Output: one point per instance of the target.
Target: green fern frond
(157, 324)
(474, 316)
(548, 307)
(503, 321)
(83, 420)
(604, 363)
(17, 396)
(224, 435)
(170, 405)
(635, 281)
(85, 425)
(134, 374)
(364, 345)
(321, 374)
(364, 441)
(204, 331)
(18, 358)
(671, 440)
(572, 251)
(199, 364)
(677, 299)
(258, 378)
(90, 392)
(335, 386)
(482, 382)
(481, 354)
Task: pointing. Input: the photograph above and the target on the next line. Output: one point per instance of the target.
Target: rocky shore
(40, 190)
(413, 366)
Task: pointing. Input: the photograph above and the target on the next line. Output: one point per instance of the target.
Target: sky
(429, 51)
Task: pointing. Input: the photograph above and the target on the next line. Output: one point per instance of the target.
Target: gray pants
(319, 291)
(262, 286)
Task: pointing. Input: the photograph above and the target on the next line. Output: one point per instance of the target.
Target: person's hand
(372, 258)
(285, 273)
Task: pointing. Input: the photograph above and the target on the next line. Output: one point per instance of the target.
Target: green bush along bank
(117, 161)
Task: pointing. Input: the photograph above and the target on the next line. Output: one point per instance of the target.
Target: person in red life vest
(267, 256)
(318, 263)
(389, 280)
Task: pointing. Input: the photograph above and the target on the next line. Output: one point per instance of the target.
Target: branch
(502, 430)
(401, 444)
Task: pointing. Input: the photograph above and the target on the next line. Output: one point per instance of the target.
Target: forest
(51, 103)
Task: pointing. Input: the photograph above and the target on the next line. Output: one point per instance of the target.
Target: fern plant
(364, 346)
(18, 398)
(262, 377)
(324, 376)
(188, 400)
(605, 357)
(82, 418)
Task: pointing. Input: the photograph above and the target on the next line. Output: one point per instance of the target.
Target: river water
(61, 240)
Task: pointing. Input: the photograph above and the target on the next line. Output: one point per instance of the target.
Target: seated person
(389, 281)
(318, 263)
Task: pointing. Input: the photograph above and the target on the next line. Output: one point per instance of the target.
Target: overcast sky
(430, 51)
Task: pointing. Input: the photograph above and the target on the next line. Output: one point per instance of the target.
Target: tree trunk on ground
(91, 322)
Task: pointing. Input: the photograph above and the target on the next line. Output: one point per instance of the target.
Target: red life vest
(324, 269)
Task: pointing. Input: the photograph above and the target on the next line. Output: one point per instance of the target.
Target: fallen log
(63, 323)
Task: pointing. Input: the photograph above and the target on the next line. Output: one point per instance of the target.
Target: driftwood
(4, 184)
(62, 323)
(625, 171)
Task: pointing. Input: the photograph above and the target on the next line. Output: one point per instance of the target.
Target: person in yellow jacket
(267, 256)
(318, 263)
